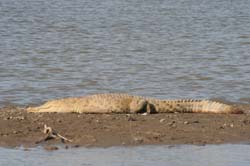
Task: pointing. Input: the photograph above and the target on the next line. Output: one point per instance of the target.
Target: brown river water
(165, 49)
(188, 155)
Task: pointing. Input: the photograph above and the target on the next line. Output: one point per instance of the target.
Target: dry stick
(52, 134)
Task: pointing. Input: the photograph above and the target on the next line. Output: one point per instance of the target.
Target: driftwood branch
(52, 134)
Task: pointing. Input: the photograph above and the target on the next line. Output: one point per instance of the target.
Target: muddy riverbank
(19, 128)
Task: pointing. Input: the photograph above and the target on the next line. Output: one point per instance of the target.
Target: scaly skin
(124, 103)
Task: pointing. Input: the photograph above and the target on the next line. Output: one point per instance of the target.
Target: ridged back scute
(192, 105)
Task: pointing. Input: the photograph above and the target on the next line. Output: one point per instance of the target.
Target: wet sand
(19, 128)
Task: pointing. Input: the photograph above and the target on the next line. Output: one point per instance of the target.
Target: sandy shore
(19, 128)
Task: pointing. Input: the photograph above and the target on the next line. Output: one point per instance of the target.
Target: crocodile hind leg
(138, 106)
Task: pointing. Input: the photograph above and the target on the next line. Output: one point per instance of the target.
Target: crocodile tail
(208, 106)
(192, 106)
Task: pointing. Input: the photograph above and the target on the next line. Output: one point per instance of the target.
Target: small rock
(51, 148)
(8, 118)
(196, 121)
(186, 122)
(172, 138)
(162, 120)
(14, 132)
(156, 135)
(29, 129)
(231, 125)
(138, 140)
(93, 140)
(26, 149)
(75, 146)
(171, 123)
(246, 121)
(130, 118)
(145, 113)
(20, 118)
(221, 127)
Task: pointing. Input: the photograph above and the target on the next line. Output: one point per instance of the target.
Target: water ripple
(165, 49)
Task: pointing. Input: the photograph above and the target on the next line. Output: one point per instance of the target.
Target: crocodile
(125, 103)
